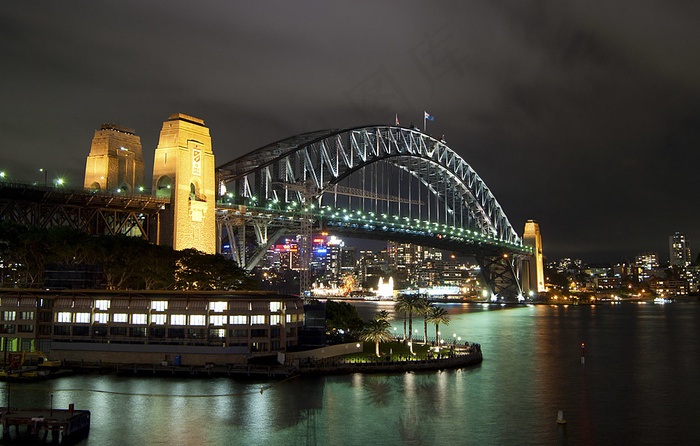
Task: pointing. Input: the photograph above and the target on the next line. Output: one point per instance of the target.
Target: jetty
(69, 423)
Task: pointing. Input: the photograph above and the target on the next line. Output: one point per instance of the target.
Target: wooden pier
(69, 423)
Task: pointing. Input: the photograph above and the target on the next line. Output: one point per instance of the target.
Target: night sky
(582, 115)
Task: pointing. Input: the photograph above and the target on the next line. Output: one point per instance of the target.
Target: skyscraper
(679, 250)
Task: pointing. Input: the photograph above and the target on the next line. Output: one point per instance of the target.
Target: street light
(46, 176)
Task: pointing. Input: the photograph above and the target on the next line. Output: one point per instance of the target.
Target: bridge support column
(501, 276)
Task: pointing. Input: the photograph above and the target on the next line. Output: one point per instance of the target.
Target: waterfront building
(668, 287)
(607, 283)
(679, 250)
(147, 326)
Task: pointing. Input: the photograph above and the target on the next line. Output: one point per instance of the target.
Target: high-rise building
(645, 265)
(679, 250)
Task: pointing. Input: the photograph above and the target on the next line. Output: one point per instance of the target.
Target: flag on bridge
(427, 117)
(397, 120)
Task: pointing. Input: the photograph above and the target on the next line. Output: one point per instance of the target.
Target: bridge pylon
(184, 170)
(115, 162)
(533, 266)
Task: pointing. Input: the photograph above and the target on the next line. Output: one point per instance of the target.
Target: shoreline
(273, 371)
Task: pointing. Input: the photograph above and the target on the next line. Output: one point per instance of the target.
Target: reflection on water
(639, 386)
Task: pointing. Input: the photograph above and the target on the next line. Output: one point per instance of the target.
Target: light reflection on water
(638, 386)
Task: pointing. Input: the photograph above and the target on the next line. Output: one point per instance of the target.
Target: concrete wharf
(69, 423)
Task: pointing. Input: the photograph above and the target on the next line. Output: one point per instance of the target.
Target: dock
(69, 423)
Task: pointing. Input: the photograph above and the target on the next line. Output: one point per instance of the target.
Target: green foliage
(376, 330)
(342, 316)
(199, 271)
(127, 262)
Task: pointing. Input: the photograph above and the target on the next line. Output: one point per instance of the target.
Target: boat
(29, 366)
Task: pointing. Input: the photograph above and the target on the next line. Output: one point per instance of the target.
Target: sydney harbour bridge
(378, 182)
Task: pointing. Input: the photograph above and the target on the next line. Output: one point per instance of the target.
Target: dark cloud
(582, 115)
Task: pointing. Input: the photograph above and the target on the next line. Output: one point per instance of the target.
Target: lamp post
(46, 176)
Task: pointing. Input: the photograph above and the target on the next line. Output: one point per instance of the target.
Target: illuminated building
(646, 264)
(679, 250)
(668, 287)
(148, 326)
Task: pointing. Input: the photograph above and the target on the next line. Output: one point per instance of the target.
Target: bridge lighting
(140, 188)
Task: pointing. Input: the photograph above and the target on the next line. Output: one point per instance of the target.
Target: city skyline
(582, 117)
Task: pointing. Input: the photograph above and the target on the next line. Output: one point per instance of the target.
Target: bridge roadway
(355, 223)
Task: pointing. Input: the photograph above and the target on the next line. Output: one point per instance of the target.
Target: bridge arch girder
(325, 158)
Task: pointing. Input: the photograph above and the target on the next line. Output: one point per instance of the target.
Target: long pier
(69, 423)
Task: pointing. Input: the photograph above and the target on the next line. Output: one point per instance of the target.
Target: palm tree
(402, 308)
(409, 304)
(376, 330)
(437, 316)
(425, 308)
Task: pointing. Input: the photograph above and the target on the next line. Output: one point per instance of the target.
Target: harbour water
(640, 385)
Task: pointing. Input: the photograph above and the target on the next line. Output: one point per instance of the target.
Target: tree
(425, 307)
(401, 307)
(437, 316)
(409, 304)
(383, 314)
(376, 330)
(342, 316)
(195, 270)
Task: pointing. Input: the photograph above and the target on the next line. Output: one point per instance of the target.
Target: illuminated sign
(196, 162)
(319, 240)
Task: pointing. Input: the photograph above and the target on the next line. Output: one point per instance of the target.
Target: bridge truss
(82, 209)
(375, 182)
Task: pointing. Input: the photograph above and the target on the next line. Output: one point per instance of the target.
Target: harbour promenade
(461, 356)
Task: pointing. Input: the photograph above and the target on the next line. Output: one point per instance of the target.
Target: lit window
(217, 320)
(237, 320)
(102, 305)
(158, 319)
(275, 306)
(217, 333)
(82, 318)
(120, 317)
(275, 319)
(139, 319)
(63, 316)
(257, 319)
(218, 307)
(159, 305)
(178, 319)
(198, 319)
(10, 315)
(288, 318)
(101, 318)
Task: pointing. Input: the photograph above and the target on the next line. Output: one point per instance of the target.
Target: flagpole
(424, 122)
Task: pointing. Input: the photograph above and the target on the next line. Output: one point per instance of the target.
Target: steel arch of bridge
(321, 160)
